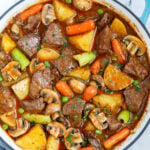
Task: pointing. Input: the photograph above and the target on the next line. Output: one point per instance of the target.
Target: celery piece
(20, 58)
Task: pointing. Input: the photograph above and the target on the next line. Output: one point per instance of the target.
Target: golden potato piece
(35, 139)
(89, 126)
(118, 27)
(115, 79)
(7, 43)
(81, 73)
(84, 41)
(47, 54)
(63, 12)
(52, 143)
(110, 101)
(21, 89)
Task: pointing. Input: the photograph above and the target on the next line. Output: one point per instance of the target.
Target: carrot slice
(87, 148)
(80, 28)
(119, 51)
(116, 138)
(95, 67)
(89, 92)
(64, 89)
(31, 11)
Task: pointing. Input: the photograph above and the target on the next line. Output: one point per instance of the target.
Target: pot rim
(136, 24)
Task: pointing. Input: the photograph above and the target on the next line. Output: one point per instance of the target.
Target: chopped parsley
(107, 111)
(94, 52)
(5, 126)
(100, 11)
(138, 89)
(135, 82)
(97, 132)
(26, 42)
(109, 91)
(69, 139)
(65, 44)
(117, 65)
(84, 118)
(38, 47)
(47, 64)
(46, 40)
(1, 78)
(63, 56)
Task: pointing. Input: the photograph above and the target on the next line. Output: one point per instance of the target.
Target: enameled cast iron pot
(133, 21)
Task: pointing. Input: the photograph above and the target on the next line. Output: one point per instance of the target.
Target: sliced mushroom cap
(83, 5)
(48, 14)
(15, 29)
(134, 45)
(11, 71)
(55, 115)
(88, 108)
(22, 126)
(99, 79)
(35, 65)
(73, 139)
(99, 119)
(56, 129)
(52, 108)
(77, 86)
(50, 96)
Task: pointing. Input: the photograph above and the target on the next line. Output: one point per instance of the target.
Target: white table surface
(143, 143)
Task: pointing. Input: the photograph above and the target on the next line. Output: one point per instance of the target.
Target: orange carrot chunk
(119, 51)
(87, 148)
(116, 138)
(80, 28)
(89, 92)
(95, 67)
(31, 11)
(64, 89)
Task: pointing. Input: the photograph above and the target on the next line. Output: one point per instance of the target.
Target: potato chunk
(84, 41)
(21, 89)
(7, 43)
(81, 73)
(111, 102)
(118, 27)
(52, 143)
(35, 139)
(63, 12)
(115, 79)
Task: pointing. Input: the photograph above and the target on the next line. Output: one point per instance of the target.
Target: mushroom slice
(134, 45)
(77, 86)
(56, 129)
(82, 5)
(52, 108)
(11, 71)
(50, 96)
(99, 119)
(56, 115)
(73, 139)
(35, 65)
(48, 14)
(22, 126)
(88, 108)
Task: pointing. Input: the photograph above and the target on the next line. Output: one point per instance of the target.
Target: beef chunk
(4, 59)
(33, 106)
(7, 100)
(106, 20)
(65, 63)
(74, 109)
(95, 142)
(41, 79)
(134, 67)
(134, 98)
(104, 41)
(53, 35)
(32, 22)
(29, 43)
(113, 123)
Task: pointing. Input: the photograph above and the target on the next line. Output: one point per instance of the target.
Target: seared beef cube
(106, 20)
(40, 80)
(104, 41)
(74, 109)
(95, 142)
(4, 59)
(134, 98)
(134, 67)
(33, 106)
(66, 62)
(29, 44)
(32, 22)
(7, 100)
(53, 35)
